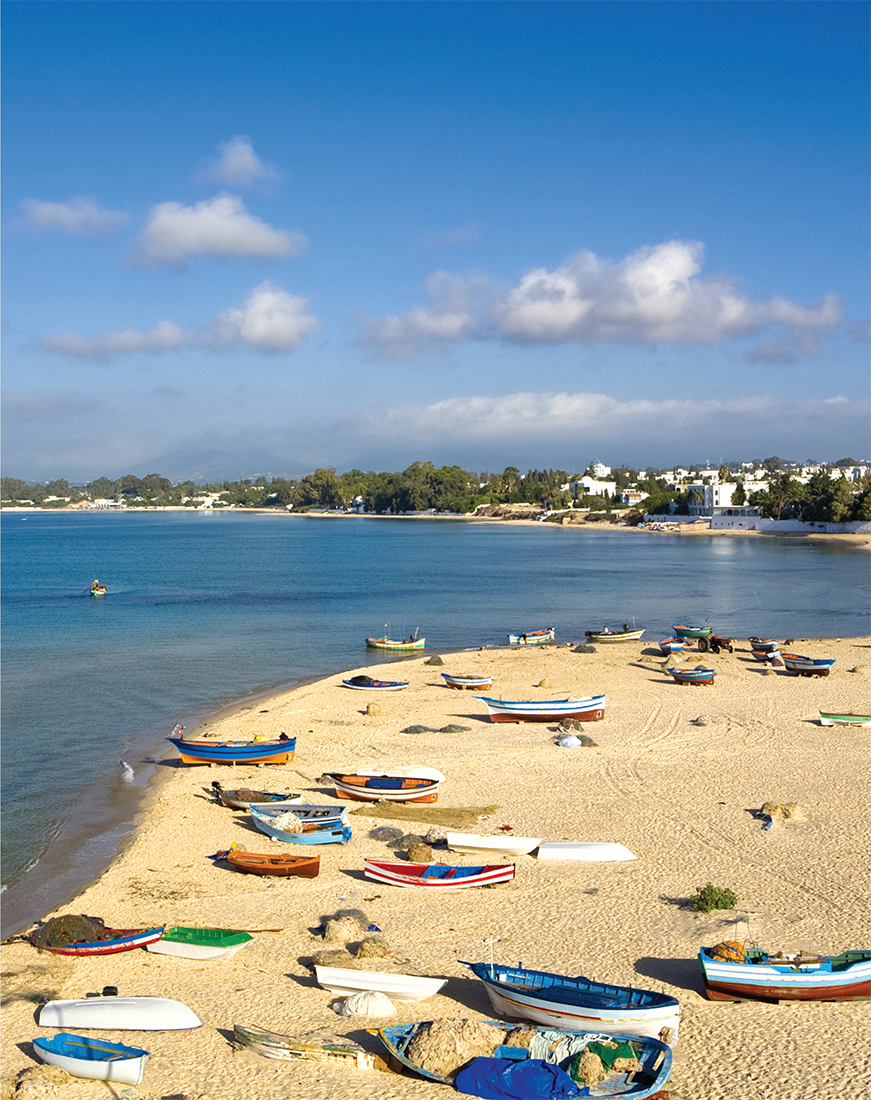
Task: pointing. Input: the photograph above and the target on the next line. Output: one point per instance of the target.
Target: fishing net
(443, 1046)
(288, 822)
(69, 928)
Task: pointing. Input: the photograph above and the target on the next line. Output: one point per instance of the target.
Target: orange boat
(255, 863)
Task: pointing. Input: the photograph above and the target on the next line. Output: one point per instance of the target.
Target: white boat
(586, 852)
(590, 709)
(120, 1014)
(506, 845)
(94, 1059)
(200, 943)
(398, 987)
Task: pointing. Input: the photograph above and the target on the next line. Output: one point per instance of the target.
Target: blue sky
(263, 237)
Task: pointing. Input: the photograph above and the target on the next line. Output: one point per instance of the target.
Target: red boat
(439, 876)
(114, 940)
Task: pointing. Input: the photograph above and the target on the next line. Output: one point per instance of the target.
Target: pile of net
(728, 951)
(593, 1065)
(443, 1046)
(69, 928)
(288, 822)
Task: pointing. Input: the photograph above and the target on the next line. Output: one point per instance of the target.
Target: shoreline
(656, 782)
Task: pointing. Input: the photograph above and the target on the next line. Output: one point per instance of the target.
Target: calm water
(203, 609)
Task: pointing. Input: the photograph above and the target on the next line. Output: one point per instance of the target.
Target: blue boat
(697, 675)
(654, 1056)
(338, 833)
(799, 665)
(560, 1001)
(235, 752)
(95, 1059)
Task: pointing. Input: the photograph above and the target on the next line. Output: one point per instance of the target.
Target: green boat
(200, 943)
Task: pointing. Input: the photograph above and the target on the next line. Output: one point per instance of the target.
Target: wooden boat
(461, 682)
(95, 1059)
(830, 718)
(98, 589)
(697, 675)
(436, 876)
(762, 643)
(578, 1002)
(655, 1057)
(534, 637)
(606, 635)
(584, 851)
(200, 943)
(765, 655)
(799, 665)
(366, 683)
(235, 752)
(242, 797)
(591, 709)
(504, 844)
(279, 864)
(398, 987)
(690, 632)
(399, 785)
(751, 973)
(119, 1014)
(336, 833)
(311, 816)
(270, 1044)
(403, 646)
(114, 940)
(672, 645)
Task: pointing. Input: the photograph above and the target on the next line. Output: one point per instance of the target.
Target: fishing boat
(692, 633)
(366, 683)
(98, 589)
(398, 987)
(503, 844)
(119, 1014)
(311, 816)
(242, 797)
(733, 972)
(697, 675)
(578, 1002)
(95, 1059)
(591, 709)
(765, 655)
(271, 1044)
(200, 943)
(404, 646)
(831, 718)
(762, 643)
(672, 645)
(400, 785)
(654, 1056)
(235, 752)
(584, 851)
(606, 635)
(436, 876)
(113, 941)
(462, 682)
(534, 637)
(279, 864)
(799, 665)
(336, 833)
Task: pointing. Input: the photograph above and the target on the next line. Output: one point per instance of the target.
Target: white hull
(194, 950)
(374, 794)
(398, 987)
(501, 845)
(123, 1071)
(120, 1014)
(593, 852)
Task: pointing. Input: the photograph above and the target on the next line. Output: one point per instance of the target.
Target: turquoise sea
(204, 609)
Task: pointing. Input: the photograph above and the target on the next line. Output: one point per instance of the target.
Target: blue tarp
(500, 1079)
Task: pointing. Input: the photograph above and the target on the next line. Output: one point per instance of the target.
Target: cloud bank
(654, 296)
(220, 227)
(79, 216)
(239, 165)
(269, 320)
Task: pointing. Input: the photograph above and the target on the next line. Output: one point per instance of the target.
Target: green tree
(13, 488)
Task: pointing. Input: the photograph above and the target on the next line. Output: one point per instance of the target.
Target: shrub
(709, 897)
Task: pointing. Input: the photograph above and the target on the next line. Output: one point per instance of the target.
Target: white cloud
(220, 227)
(654, 296)
(239, 165)
(269, 320)
(79, 215)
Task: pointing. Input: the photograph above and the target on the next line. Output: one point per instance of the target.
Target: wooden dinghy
(398, 987)
(584, 851)
(329, 832)
(697, 675)
(591, 709)
(672, 645)
(278, 864)
(200, 943)
(733, 972)
(834, 718)
(119, 1014)
(114, 940)
(799, 665)
(436, 876)
(534, 637)
(503, 844)
(242, 797)
(366, 683)
(235, 752)
(271, 1044)
(312, 816)
(403, 646)
(560, 1001)
(655, 1058)
(624, 635)
(690, 632)
(462, 682)
(395, 785)
(94, 1059)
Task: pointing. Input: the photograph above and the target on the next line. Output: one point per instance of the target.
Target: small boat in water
(398, 987)
(591, 709)
(733, 972)
(200, 943)
(560, 1001)
(689, 632)
(366, 683)
(235, 752)
(94, 1059)
(697, 675)
(534, 637)
(278, 864)
(98, 589)
(799, 665)
(607, 635)
(399, 785)
(436, 876)
(462, 682)
(242, 797)
(403, 646)
(833, 718)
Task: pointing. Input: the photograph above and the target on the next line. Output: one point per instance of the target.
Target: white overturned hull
(198, 951)
(498, 845)
(120, 1014)
(584, 852)
(398, 987)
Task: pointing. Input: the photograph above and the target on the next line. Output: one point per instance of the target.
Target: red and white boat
(436, 876)
(115, 940)
(591, 709)
(394, 785)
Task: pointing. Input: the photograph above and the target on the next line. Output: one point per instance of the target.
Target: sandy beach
(682, 794)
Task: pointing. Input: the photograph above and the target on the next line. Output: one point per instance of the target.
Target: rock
(435, 834)
(373, 710)
(406, 841)
(386, 833)
(584, 649)
(434, 660)
(420, 853)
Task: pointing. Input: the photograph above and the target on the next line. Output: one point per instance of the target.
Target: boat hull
(534, 637)
(365, 788)
(591, 709)
(672, 645)
(118, 939)
(396, 646)
(242, 799)
(614, 636)
(497, 845)
(463, 683)
(692, 675)
(119, 1014)
(234, 752)
(377, 685)
(830, 719)
(398, 987)
(413, 875)
(200, 943)
(93, 1059)
(799, 665)
(280, 865)
(823, 980)
(584, 852)
(270, 1044)
(682, 630)
(338, 834)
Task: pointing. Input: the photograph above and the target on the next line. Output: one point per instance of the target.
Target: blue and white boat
(547, 636)
(235, 752)
(95, 1059)
(733, 972)
(325, 832)
(591, 709)
(560, 1001)
(799, 665)
(697, 675)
